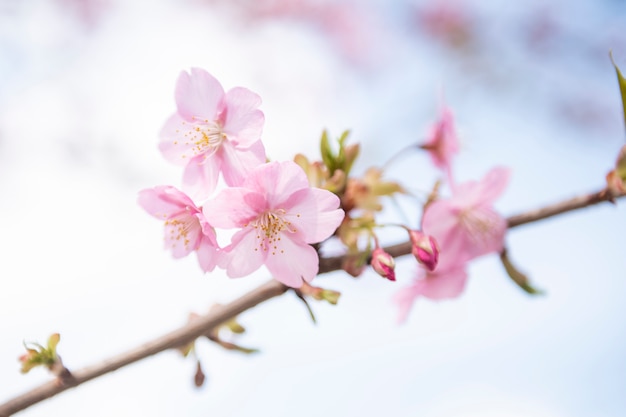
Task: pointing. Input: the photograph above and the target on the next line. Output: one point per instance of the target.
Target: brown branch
(205, 324)
(176, 338)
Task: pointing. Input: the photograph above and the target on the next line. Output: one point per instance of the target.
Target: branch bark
(205, 324)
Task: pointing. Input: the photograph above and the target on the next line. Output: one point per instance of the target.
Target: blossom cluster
(275, 211)
(465, 225)
(278, 210)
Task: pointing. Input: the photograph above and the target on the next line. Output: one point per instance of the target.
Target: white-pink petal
(278, 181)
(200, 176)
(175, 144)
(294, 263)
(163, 201)
(207, 253)
(443, 285)
(243, 122)
(242, 256)
(237, 163)
(316, 214)
(233, 207)
(198, 95)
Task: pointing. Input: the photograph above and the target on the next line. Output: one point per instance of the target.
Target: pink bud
(425, 249)
(383, 264)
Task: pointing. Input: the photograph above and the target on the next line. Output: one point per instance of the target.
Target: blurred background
(85, 86)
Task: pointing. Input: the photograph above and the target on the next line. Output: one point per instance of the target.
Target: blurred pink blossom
(212, 132)
(354, 29)
(465, 226)
(437, 285)
(279, 215)
(186, 229)
(442, 143)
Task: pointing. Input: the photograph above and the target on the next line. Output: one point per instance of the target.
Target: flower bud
(616, 179)
(425, 249)
(383, 264)
(37, 355)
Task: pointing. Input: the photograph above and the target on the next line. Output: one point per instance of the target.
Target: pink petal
(404, 299)
(243, 122)
(481, 232)
(278, 181)
(494, 183)
(295, 263)
(243, 256)
(435, 286)
(439, 219)
(316, 215)
(207, 254)
(483, 192)
(198, 95)
(442, 143)
(442, 285)
(238, 163)
(207, 230)
(175, 144)
(164, 201)
(200, 176)
(234, 207)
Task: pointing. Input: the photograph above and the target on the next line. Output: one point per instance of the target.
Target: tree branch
(205, 324)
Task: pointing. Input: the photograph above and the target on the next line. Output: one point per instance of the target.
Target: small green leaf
(519, 278)
(330, 296)
(327, 154)
(622, 85)
(53, 341)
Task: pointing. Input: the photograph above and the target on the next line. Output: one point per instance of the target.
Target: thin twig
(205, 324)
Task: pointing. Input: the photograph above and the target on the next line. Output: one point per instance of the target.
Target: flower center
(205, 137)
(269, 227)
(478, 223)
(179, 230)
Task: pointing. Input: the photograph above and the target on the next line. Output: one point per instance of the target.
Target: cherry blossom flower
(186, 229)
(279, 215)
(212, 132)
(466, 225)
(442, 143)
(383, 264)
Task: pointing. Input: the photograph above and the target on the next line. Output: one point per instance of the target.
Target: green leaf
(53, 341)
(519, 278)
(327, 153)
(622, 85)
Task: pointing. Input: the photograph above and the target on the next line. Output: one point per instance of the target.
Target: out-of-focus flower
(186, 229)
(279, 215)
(442, 142)
(437, 285)
(448, 22)
(384, 264)
(424, 249)
(466, 225)
(212, 132)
